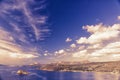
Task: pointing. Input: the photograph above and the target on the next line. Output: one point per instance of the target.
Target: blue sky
(50, 30)
(68, 16)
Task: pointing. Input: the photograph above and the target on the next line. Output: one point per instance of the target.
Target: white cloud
(111, 48)
(79, 54)
(103, 36)
(100, 33)
(73, 45)
(45, 54)
(82, 40)
(113, 45)
(118, 17)
(68, 40)
(81, 47)
(61, 51)
(103, 44)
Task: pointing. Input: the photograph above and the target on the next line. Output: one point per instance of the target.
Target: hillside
(95, 66)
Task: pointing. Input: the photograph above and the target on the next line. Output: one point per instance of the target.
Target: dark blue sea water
(9, 73)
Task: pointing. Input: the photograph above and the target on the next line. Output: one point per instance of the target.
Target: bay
(9, 73)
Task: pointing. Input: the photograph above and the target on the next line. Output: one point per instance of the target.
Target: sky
(59, 30)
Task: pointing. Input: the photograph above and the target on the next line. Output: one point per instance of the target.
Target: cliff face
(97, 66)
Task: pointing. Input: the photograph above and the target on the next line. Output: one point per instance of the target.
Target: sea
(9, 73)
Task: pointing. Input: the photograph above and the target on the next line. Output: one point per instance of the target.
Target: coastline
(103, 67)
(78, 71)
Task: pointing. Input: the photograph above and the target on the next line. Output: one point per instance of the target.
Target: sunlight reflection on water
(90, 76)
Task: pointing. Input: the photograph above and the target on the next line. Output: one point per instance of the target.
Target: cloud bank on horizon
(21, 27)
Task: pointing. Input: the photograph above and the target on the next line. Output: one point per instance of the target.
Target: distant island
(113, 66)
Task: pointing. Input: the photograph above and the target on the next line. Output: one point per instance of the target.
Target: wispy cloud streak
(21, 26)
